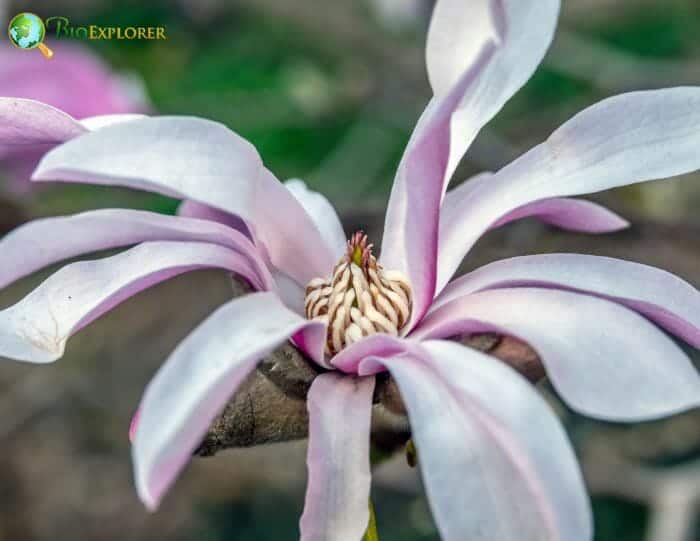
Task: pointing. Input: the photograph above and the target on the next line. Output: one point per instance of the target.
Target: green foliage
(667, 30)
(618, 520)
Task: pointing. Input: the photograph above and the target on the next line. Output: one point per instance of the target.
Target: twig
(270, 406)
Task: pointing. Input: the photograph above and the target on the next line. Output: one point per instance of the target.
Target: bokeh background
(328, 92)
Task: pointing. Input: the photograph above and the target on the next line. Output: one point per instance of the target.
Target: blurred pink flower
(76, 81)
(495, 461)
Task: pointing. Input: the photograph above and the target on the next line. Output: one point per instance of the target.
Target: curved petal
(337, 494)
(293, 242)
(201, 160)
(322, 213)
(604, 359)
(375, 346)
(473, 76)
(193, 209)
(49, 127)
(571, 214)
(410, 239)
(495, 461)
(37, 327)
(291, 293)
(520, 30)
(197, 380)
(98, 122)
(449, 50)
(622, 140)
(29, 123)
(664, 298)
(34, 245)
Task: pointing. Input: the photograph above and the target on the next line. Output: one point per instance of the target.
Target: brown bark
(270, 405)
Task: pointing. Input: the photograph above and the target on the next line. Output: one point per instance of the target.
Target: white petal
(495, 461)
(570, 214)
(622, 140)
(291, 293)
(457, 33)
(200, 211)
(337, 494)
(473, 75)
(93, 123)
(322, 213)
(37, 328)
(662, 297)
(521, 32)
(604, 359)
(195, 383)
(45, 241)
(201, 160)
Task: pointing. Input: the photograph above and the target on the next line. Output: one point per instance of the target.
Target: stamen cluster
(361, 298)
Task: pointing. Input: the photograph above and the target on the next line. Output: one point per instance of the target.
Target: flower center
(359, 299)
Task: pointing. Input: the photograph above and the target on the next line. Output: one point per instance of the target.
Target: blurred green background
(329, 92)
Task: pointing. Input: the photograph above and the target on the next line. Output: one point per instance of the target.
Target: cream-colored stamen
(359, 299)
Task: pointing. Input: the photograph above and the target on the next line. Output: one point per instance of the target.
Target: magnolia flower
(495, 461)
(75, 81)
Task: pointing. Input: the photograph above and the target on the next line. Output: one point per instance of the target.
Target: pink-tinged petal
(411, 226)
(18, 170)
(622, 140)
(571, 214)
(661, 296)
(19, 160)
(196, 382)
(27, 123)
(473, 76)
(322, 213)
(192, 209)
(495, 461)
(133, 424)
(312, 344)
(200, 160)
(49, 240)
(293, 242)
(604, 359)
(170, 155)
(375, 346)
(37, 327)
(75, 81)
(337, 493)
(521, 32)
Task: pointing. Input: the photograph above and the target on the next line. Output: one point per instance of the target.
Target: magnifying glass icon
(27, 31)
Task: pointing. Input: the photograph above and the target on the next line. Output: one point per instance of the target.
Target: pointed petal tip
(193, 386)
(149, 500)
(21, 346)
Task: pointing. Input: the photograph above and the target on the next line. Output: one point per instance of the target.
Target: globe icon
(27, 31)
